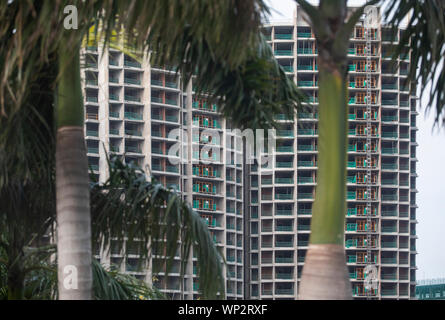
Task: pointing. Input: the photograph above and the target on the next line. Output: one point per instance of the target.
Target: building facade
(430, 289)
(140, 112)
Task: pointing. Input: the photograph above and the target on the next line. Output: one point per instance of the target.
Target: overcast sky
(430, 183)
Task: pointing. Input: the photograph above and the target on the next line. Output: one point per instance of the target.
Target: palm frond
(155, 221)
(112, 285)
(250, 95)
(425, 35)
(32, 31)
(220, 40)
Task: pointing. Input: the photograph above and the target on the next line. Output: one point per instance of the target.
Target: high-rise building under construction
(260, 216)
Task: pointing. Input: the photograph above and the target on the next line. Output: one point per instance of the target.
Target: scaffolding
(370, 66)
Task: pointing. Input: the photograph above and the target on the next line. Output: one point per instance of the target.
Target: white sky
(430, 183)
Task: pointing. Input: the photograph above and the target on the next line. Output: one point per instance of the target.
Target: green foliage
(250, 95)
(155, 221)
(112, 285)
(425, 35)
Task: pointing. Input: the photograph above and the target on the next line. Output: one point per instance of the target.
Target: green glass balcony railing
(283, 36)
(303, 211)
(388, 260)
(389, 182)
(132, 81)
(306, 164)
(281, 117)
(389, 151)
(288, 68)
(284, 164)
(389, 86)
(92, 133)
(114, 97)
(91, 99)
(389, 213)
(284, 244)
(132, 98)
(389, 118)
(171, 84)
(351, 164)
(133, 132)
(389, 292)
(172, 169)
(392, 135)
(282, 275)
(304, 147)
(304, 35)
(305, 67)
(388, 229)
(389, 166)
(283, 52)
(305, 196)
(285, 149)
(389, 102)
(306, 83)
(389, 197)
(93, 150)
(132, 116)
(351, 179)
(171, 118)
(132, 149)
(307, 132)
(91, 82)
(284, 180)
(285, 133)
(404, 72)
(283, 228)
(133, 64)
(114, 114)
(283, 196)
(305, 51)
(284, 259)
(171, 101)
(305, 180)
(283, 212)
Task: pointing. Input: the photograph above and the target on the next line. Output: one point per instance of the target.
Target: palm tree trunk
(16, 283)
(72, 185)
(325, 274)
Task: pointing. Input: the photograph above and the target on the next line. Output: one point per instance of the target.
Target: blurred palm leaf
(425, 35)
(155, 221)
(112, 285)
(217, 41)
